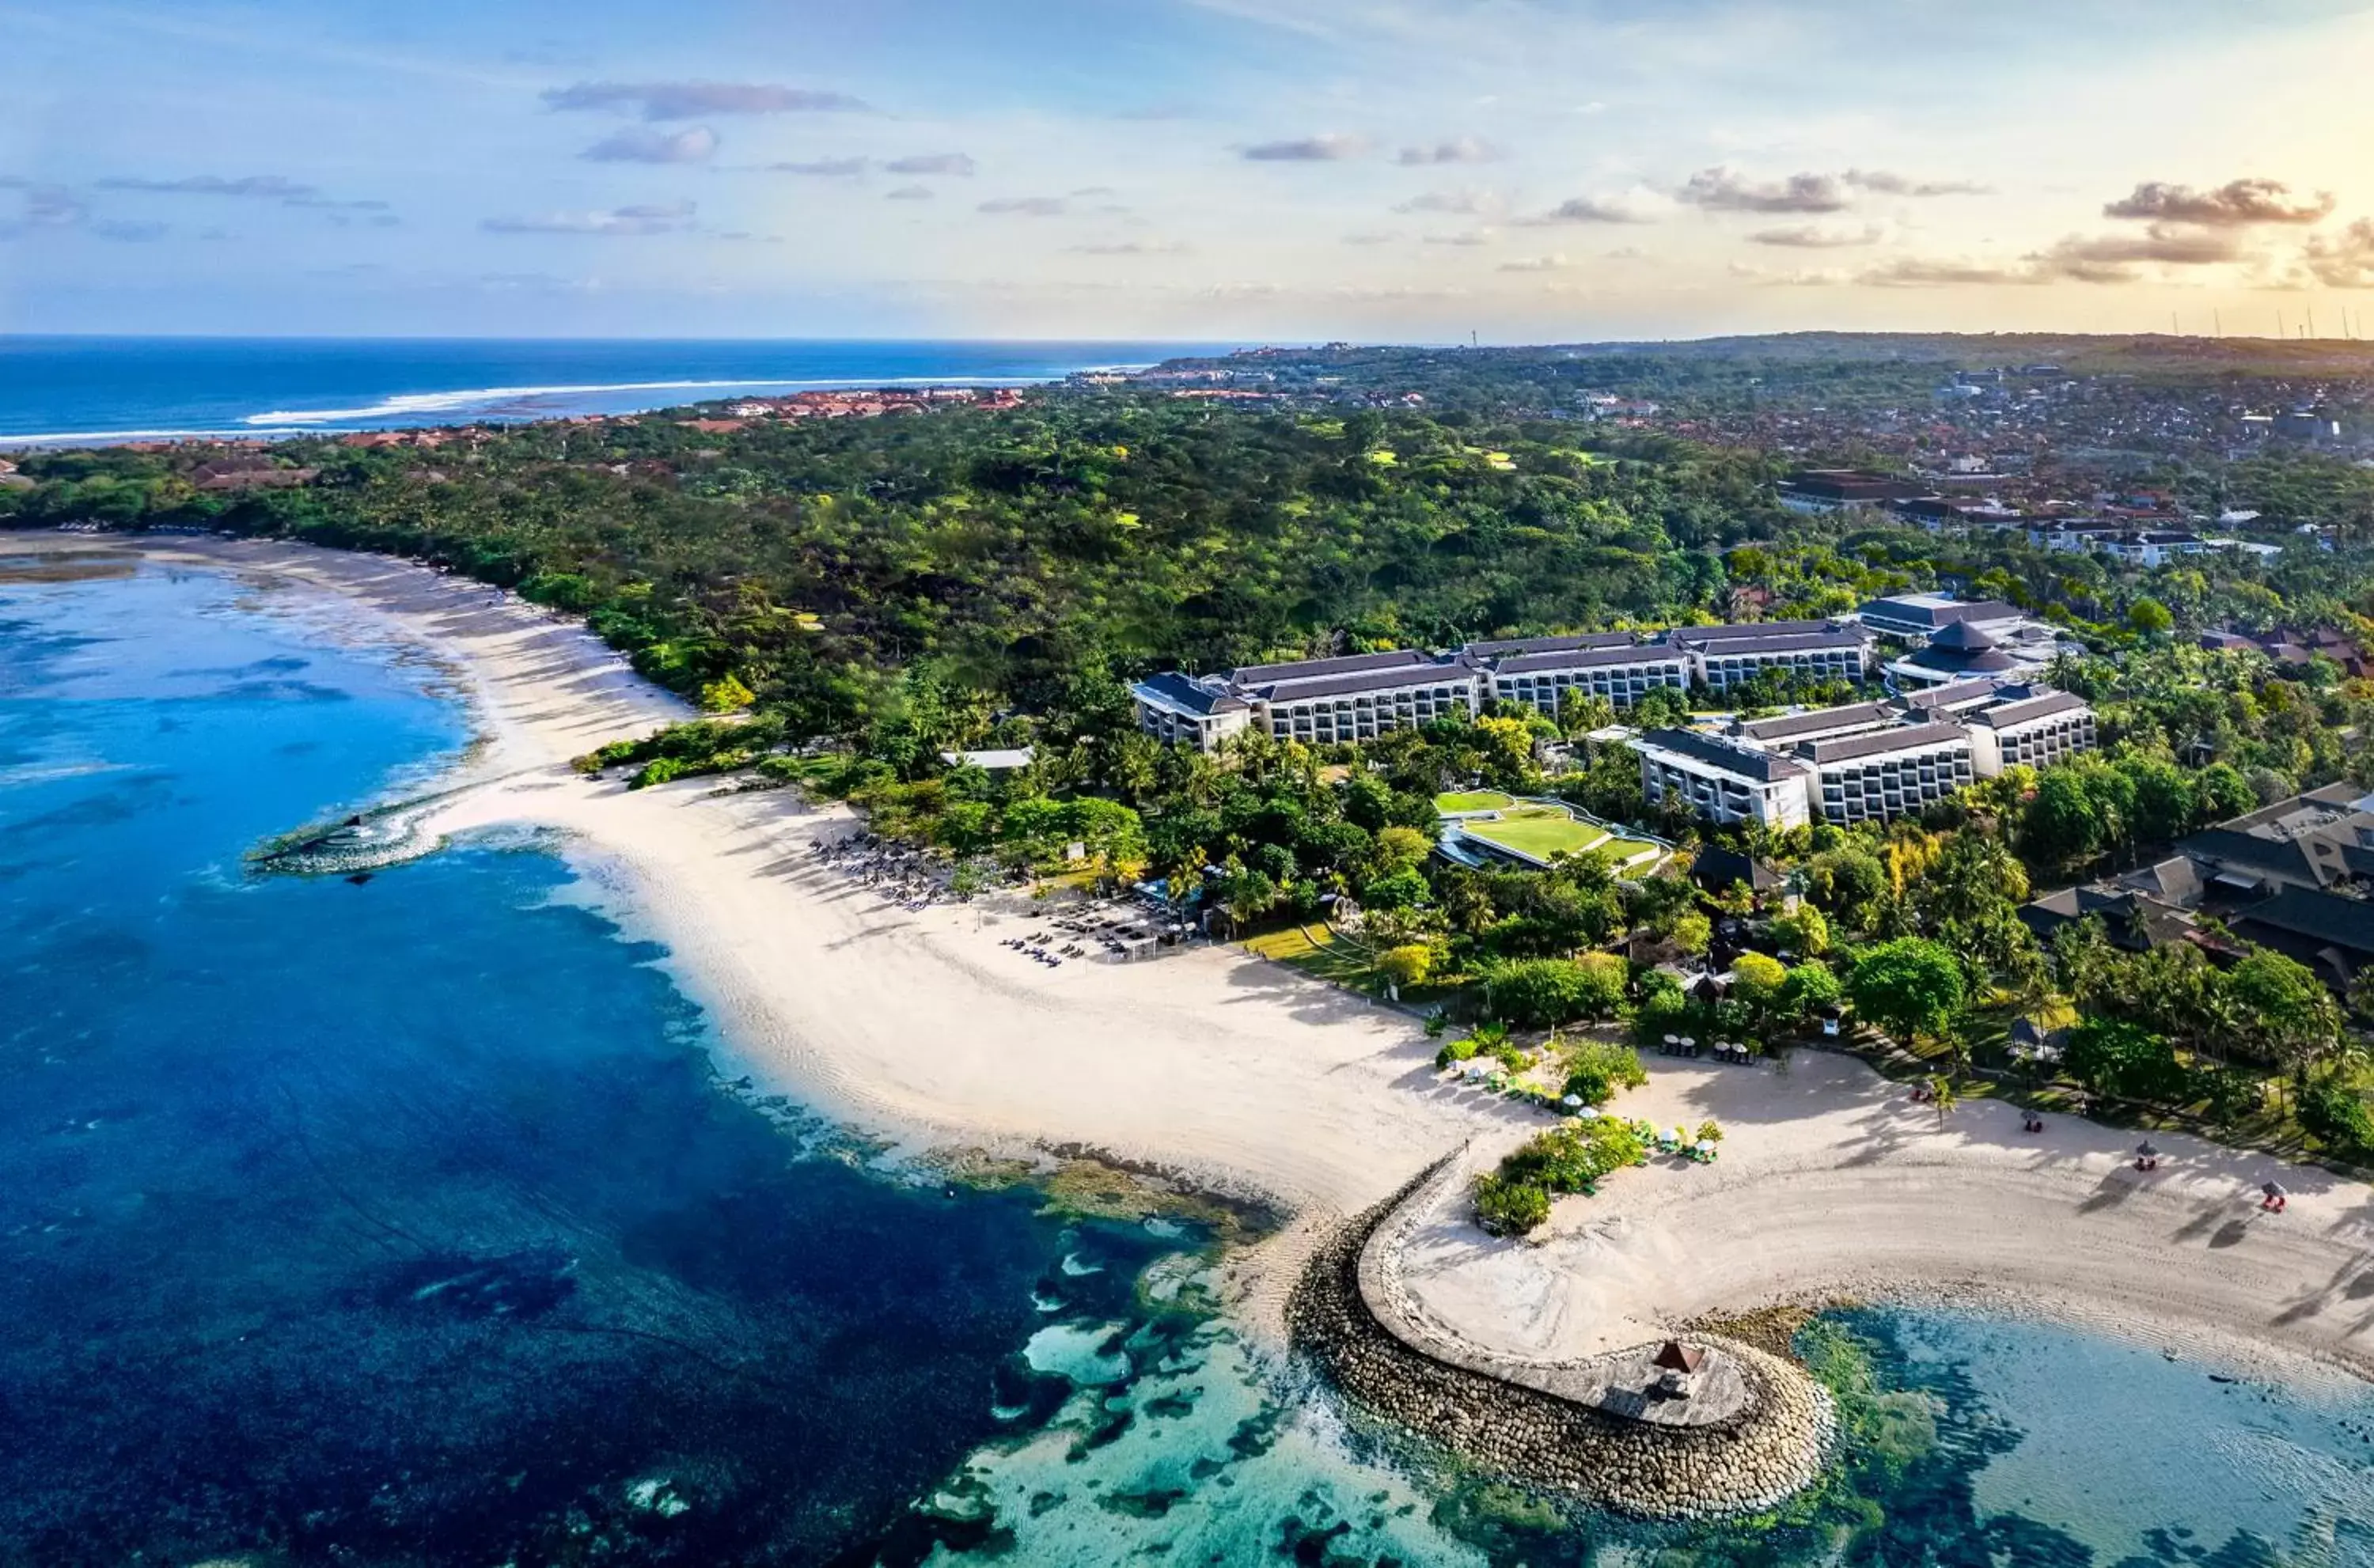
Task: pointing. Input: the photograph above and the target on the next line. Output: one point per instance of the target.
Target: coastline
(920, 1029)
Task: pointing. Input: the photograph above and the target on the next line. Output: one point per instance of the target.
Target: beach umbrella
(2272, 1190)
(1703, 1146)
(2147, 1150)
(1588, 1113)
(1571, 1101)
(1673, 1039)
(1675, 1135)
(1690, 1040)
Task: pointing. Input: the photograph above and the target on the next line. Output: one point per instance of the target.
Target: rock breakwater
(1575, 1427)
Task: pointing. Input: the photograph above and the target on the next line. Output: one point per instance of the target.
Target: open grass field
(1539, 831)
(1474, 801)
(1542, 831)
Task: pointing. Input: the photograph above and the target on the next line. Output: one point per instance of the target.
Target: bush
(1460, 1049)
(2338, 1118)
(1538, 992)
(2229, 1094)
(1596, 1070)
(1511, 1207)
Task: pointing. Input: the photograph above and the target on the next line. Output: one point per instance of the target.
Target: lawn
(1540, 832)
(1474, 801)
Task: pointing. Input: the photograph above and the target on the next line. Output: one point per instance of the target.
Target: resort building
(1723, 657)
(1360, 696)
(1540, 673)
(1868, 761)
(2036, 733)
(1918, 616)
(1889, 773)
(1322, 707)
(1180, 712)
(1721, 780)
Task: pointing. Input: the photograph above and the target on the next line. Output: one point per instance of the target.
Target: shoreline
(1257, 1082)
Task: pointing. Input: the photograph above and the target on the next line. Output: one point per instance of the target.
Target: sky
(1284, 170)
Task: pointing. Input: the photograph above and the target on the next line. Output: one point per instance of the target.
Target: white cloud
(644, 144)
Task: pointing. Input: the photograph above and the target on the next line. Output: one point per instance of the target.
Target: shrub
(1597, 1068)
(2229, 1094)
(1541, 991)
(1460, 1049)
(2338, 1118)
(1506, 1207)
(1709, 1131)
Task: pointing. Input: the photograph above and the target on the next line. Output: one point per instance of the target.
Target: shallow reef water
(403, 1221)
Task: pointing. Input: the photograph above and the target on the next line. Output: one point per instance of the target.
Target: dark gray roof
(1173, 687)
(2326, 917)
(1563, 643)
(1821, 722)
(1955, 693)
(1588, 659)
(1743, 631)
(1761, 766)
(1909, 613)
(2043, 707)
(1852, 747)
(1794, 642)
(1359, 681)
(1717, 869)
(1965, 637)
(1961, 662)
(1314, 669)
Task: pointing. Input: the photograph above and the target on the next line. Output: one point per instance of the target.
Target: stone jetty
(1754, 1430)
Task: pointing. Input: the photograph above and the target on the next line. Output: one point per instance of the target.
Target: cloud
(1880, 182)
(910, 193)
(51, 206)
(1627, 209)
(642, 144)
(673, 217)
(1026, 207)
(128, 233)
(1721, 189)
(1471, 237)
(1461, 149)
(325, 204)
(1813, 236)
(1462, 203)
(1327, 148)
(1137, 248)
(934, 163)
(2345, 259)
(1920, 271)
(1555, 262)
(1370, 238)
(2113, 257)
(272, 187)
(2238, 203)
(690, 100)
(833, 168)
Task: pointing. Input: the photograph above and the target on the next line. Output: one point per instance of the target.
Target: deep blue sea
(404, 1221)
(70, 389)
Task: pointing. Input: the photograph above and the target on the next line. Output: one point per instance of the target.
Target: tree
(2282, 1011)
(1803, 931)
(1944, 1095)
(2219, 791)
(2112, 1056)
(1404, 889)
(1756, 983)
(1909, 986)
(1811, 986)
(2149, 616)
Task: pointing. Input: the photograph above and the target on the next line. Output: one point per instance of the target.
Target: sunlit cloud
(2238, 203)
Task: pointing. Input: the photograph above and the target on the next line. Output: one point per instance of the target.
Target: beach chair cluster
(1094, 931)
(908, 877)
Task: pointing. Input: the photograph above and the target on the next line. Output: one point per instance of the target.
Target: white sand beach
(1255, 1079)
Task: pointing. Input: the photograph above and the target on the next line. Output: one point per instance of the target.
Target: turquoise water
(403, 1222)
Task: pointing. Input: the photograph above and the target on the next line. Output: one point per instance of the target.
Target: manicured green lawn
(1474, 801)
(1540, 832)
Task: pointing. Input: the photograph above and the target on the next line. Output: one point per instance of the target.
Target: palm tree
(1944, 1095)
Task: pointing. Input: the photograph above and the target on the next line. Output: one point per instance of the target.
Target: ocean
(404, 1221)
(66, 391)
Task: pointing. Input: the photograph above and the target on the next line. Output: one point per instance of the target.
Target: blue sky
(1529, 169)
